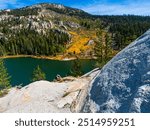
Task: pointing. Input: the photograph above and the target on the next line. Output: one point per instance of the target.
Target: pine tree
(102, 48)
(38, 74)
(4, 77)
(99, 49)
(76, 69)
(107, 47)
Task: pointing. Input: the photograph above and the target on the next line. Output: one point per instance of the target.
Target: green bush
(38, 74)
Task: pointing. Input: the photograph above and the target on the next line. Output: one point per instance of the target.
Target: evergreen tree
(4, 77)
(107, 47)
(76, 69)
(102, 48)
(38, 74)
(99, 49)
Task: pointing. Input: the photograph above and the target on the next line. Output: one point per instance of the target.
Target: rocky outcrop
(41, 18)
(123, 85)
(43, 96)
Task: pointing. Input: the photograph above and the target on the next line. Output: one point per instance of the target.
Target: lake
(21, 69)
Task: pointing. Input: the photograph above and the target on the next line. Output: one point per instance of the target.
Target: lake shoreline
(21, 69)
(58, 57)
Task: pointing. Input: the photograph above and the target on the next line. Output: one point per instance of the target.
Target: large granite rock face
(48, 97)
(123, 85)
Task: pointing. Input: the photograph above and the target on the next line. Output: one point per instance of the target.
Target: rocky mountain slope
(43, 29)
(41, 17)
(123, 85)
(53, 29)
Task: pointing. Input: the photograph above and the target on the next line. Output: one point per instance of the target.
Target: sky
(98, 7)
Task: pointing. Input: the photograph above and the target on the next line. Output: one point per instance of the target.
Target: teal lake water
(21, 69)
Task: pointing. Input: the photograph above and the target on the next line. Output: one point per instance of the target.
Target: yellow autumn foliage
(80, 40)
